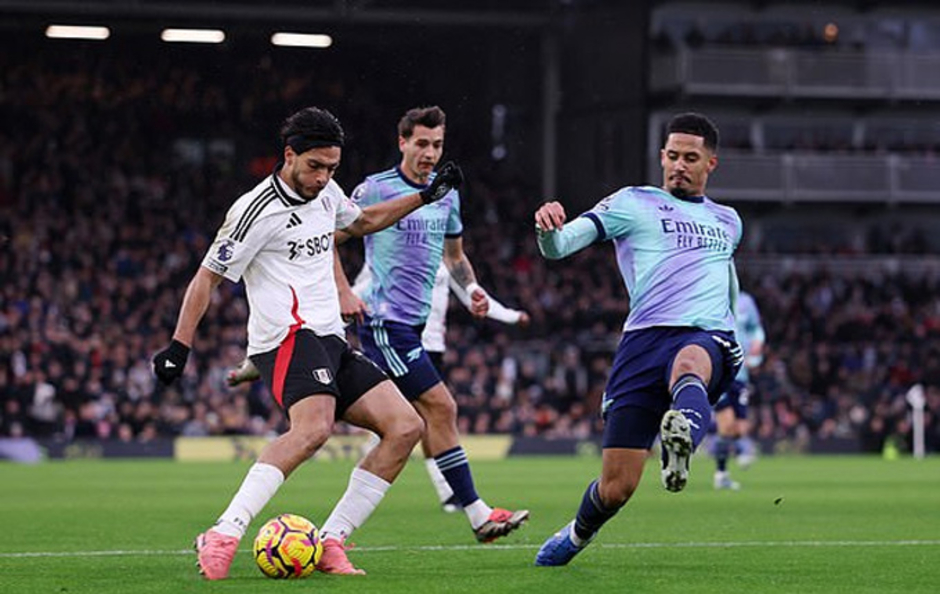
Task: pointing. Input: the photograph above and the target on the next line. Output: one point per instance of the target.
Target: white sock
(575, 539)
(444, 492)
(478, 513)
(260, 485)
(362, 496)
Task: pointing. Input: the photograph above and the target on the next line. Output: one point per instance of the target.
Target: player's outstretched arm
(556, 238)
(168, 364)
(497, 310)
(380, 215)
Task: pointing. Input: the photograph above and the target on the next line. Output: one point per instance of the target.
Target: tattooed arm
(461, 271)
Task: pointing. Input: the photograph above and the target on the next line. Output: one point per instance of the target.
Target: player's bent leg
(439, 410)
(620, 476)
(726, 424)
(449, 501)
(686, 424)
(384, 411)
(311, 425)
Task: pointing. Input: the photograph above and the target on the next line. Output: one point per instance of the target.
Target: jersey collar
(288, 196)
(405, 179)
(692, 199)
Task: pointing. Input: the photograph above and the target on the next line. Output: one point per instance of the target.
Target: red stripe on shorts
(285, 353)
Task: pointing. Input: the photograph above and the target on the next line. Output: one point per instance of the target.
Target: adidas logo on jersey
(294, 220)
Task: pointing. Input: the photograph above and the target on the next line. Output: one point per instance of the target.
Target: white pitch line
(509, 547)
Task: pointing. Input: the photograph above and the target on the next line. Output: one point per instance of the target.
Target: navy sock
(592, 514)
(456, 470)
(723, 447)
(690, 397)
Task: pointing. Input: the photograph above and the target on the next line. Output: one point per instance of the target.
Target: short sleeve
(614, 216)
(365, 194)
(454, 222)
(347, 211)
(235, 246)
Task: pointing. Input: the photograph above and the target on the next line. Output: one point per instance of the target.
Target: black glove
(168, 364)
(448, 178)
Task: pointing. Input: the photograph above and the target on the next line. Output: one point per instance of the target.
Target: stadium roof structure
(498, 13)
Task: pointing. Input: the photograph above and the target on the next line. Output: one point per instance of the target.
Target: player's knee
(406, 430)
(686, 366)
(311, 436)
(442, 410)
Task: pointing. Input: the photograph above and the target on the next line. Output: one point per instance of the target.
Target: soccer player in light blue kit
(731, 410)
(678, 352)
(403, 262)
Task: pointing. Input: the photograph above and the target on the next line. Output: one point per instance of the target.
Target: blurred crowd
(104, 219)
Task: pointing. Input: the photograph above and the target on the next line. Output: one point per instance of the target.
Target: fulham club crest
(322, 375)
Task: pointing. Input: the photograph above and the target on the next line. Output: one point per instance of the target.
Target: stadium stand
(113, 176)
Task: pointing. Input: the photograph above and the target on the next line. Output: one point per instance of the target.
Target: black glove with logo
(168, 364)
(448, 178)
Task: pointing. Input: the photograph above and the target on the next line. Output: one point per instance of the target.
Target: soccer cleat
(676, 440)
(334, 559)
(723, 482)
(559, 549)
(246, 372)
(746, 460)
(500, 523)
(451, 505)
(214, 554)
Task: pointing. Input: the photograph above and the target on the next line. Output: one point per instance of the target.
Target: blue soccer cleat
(558, 549)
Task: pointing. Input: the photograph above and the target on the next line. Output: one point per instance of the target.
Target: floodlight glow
(193, 36)
(301, 40)
(77, 32)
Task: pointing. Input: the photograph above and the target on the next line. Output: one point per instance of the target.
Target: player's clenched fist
(550, 216)
(479, 301)
(448, 178)
(168, 364)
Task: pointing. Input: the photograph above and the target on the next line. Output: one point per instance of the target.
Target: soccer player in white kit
(278, 237)
(432, 339)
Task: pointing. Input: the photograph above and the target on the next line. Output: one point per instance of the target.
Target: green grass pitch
(844, 524)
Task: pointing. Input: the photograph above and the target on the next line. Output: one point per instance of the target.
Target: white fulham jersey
(282, 245)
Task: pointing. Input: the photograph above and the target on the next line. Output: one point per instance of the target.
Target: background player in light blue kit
(678, 353)
(403, 262)
(731, 410)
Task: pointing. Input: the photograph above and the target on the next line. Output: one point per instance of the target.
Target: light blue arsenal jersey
(403, 259)
(748, 330)
(675, 256)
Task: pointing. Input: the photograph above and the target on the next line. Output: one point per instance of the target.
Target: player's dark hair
(312, 127)
(429, 117)
(697, 125)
